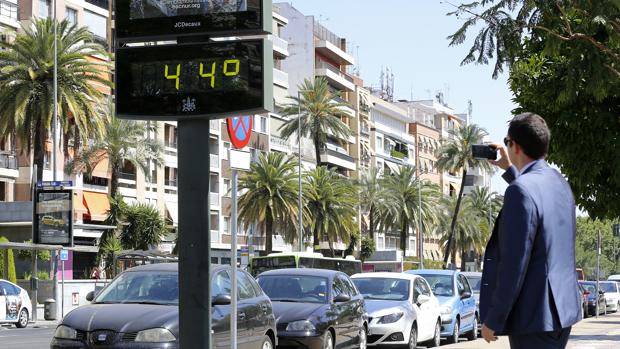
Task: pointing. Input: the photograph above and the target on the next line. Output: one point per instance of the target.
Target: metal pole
(62, 290)
(301, 229)
(33, 282)
(194, 235)
(55, 118)
(233, 262)
(419, 169)
(598, 268)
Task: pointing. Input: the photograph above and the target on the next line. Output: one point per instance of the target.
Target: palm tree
(470, 231)
(331, 201)
(454, 155)
(372, 195)
(485, 202)
(320, 115)
(143, 228)
(26, 80)
(405, 194)
(125, 140)
(271, 197)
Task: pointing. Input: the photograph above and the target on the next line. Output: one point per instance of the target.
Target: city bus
(348, 265)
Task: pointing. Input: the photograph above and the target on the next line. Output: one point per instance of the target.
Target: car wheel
(473, 335)
(363, 338)
(266, 343)
(328, 341)
(454, 338)
(413, 338)
(436, 341)
(23, 319)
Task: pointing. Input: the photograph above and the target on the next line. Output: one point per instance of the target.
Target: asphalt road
(26, 338)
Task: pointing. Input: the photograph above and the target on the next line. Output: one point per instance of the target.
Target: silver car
(402, 310)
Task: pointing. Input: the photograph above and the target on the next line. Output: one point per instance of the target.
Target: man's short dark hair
(530, 131)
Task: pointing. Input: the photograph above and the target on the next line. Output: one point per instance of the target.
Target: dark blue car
(459, 315)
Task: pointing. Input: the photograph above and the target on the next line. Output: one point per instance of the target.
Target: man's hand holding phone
(504, 161)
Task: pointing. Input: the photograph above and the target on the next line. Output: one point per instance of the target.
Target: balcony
(8, 13)
(339, 158)
(215, 160)
(214, 125)
(214, 199)
(99, 3)
(279, 143)
(8, 160)
(280, 78)
(339, 79)
(280, 46)
(330, 45)
(171, 183)
(127, 176)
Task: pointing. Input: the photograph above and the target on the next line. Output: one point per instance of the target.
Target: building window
(226, 187)
(226, 150)
(3, 191)
(263, 124)
(226, 227)
(71, 15)
(97, 24)
(44, 8)
(380, 243)
(215, 221)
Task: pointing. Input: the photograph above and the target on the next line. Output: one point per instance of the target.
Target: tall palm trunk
(268, 232)
(454, 217)
(115, 173)
(371, 228)
(462, 254)
(316, 244)
(403, 238)
(39, 149)
(317, 151)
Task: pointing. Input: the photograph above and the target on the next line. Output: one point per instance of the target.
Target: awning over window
(97, 205)
(101, 169)
(392, 166)
(78, 205)
(173, 212)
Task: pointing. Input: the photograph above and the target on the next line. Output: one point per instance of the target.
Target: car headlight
(388, 319)
(303, 325)
(155, 335)
(64, 332)
(446, 309)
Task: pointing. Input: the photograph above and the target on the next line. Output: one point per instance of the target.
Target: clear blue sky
(409, 37)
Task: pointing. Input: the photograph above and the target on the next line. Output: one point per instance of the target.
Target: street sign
(64, 255)
(208, 80)
(54, 184)
(239, 130)
(146, 20)
(53, 217)
(616, 229)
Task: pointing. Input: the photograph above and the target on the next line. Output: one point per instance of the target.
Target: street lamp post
(301, 229)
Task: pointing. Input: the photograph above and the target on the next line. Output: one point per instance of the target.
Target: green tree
(586, 247)
(454, 155)
(124, 141)
(26, 81)
(368, 248)
(321, 116)
(107, 251)
(373, 196)
(406, 194)
(331, 200)
(26, 255)
(563, 58)
(270, 198)
(469, 233)
(143, 228)
(11, 276)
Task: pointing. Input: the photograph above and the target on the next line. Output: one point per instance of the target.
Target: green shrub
(12, 277)
(368, 248)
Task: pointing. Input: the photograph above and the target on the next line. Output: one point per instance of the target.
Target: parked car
(15, 306)
(584, 301)
(139, 309)
(475, 281)
(457, 303)
(593, 298)
(612, 294)
(402, 310)
(615, 277)
(316, 308)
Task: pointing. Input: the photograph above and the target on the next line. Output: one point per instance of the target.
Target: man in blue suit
(529, 286)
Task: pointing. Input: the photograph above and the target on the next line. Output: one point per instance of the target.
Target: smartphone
(483, 151)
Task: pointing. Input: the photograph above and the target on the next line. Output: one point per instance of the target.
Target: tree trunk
(268, 232)
(462, 254)
(404, 233)
(371, 228)
(317, 151)
(454, 217)
(39, 149)
(114, 180)
(331, 249)
(316, 244)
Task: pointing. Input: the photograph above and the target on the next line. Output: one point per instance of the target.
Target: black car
(590, 292)
(584, 300)
(139, 309)
(316, 309)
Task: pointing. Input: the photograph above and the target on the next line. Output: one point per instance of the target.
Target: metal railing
(171, 144)
(281, 142)
(8, 10)
(8, 160)
(127, 176)
(171, 182)
(337, 154)
(279, 42)
(215, 160)
(335, 70)
(99, 3)
(214, 199)
(280, 77)
(215, 125)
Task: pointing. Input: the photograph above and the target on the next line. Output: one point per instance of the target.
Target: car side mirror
(90, 296)
(341, 298)
(222, 299)
(423, 299)
(465, 295)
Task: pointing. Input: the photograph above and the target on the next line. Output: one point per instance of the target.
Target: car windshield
(383, 288)
(608, 286)
(589, 287)
(474, 281)
(149, 287)
(442, 285)
(294, 288)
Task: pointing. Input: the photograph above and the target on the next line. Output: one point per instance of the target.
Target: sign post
(240, 131)
(64, 256)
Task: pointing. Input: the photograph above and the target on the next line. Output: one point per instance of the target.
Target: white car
(612, 294)
(402, 309)
(15, 306)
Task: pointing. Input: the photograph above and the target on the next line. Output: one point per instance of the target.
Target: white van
(615, 277)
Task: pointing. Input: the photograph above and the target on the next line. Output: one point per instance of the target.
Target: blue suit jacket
(529, 282)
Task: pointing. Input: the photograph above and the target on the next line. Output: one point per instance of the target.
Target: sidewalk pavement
(591, 333)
